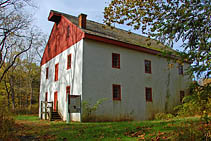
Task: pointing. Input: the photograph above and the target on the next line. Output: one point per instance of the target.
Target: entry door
(55, 101)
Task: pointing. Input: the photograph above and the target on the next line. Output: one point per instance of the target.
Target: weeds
(89, 110)
(163, 116)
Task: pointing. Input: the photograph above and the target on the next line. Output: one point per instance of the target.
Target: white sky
(93, 8)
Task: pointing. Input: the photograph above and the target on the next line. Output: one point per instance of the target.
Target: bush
(163, 116)
(7, 124)
(188, 108)
(89, 110)
(26, 111)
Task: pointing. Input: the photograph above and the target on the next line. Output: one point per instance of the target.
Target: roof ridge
(106, 26)
(119, 34)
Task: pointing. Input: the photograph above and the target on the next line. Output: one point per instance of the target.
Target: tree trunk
(12, 91)
(31, 95)
(8, 100)
(8, 94)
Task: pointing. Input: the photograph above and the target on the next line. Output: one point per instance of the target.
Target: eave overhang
(54, 17)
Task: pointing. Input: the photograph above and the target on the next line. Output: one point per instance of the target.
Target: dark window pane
(180, 68)
(69, 61)
(115, 60)
(148, 94)
(182, 95)
(116, 92)
(147, 66)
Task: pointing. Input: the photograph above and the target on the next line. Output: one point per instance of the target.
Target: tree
(33, 57)
(21, 44)
(20, 85)
(16, 33)
(170, 21)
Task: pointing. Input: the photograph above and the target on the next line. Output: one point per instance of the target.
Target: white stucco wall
(98, 77)
(71, 77)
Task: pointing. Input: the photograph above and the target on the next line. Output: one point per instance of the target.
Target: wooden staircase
(47, 111)
(55, 116)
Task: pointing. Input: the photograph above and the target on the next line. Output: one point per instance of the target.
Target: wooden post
(57, 106)
(50, 113)
(51, 110)
(45, 110)
(80, 110)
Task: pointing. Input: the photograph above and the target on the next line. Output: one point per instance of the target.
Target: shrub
(188, 108)
(26, 111)
(89, 110)
(163, 116)
(7, 123)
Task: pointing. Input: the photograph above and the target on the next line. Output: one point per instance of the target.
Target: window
(182, 95)
(148, 92)
(115, 60)
(56, 71)
(55, 101)
(67, 92)
(147, 64)
(46, 96)
(68, 32)
(116, 92)
(47, 73)
(180, 68)
(69, 61)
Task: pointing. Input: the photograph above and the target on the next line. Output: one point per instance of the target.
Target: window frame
(56, 77)
(146, 66)
(46, 96)
(47, 72)
(118, 57)
(180, 69)
(69, 61)
(68, 32)
(146, 93)
(182, 95)
(119, 90)
(67, 87)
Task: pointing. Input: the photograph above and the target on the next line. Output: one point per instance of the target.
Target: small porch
(48, 112)
(72, 112)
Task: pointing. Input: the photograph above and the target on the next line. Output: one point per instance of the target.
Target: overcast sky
(93, 8)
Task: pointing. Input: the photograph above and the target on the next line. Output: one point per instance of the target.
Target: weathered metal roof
(117, 34)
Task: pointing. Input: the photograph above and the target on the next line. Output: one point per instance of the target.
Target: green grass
(175, 129)
(27, 118)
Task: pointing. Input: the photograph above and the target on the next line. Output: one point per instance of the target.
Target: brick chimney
(82, 20)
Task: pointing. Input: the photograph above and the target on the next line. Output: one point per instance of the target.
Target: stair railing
(46, 109)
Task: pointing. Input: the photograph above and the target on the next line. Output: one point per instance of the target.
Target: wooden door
(55, 101)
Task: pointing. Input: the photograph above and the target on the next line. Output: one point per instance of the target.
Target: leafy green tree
(21, 85)
(170, 21)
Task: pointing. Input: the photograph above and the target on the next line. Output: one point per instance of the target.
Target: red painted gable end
(63, 35)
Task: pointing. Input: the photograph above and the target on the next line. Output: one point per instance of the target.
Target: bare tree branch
(13, 62)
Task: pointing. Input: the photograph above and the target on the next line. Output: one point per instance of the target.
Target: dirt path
(29, 130)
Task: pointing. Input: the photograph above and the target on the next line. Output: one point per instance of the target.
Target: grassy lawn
(32, 128)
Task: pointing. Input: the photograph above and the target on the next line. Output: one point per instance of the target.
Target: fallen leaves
(28, 130)
(139, 132)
